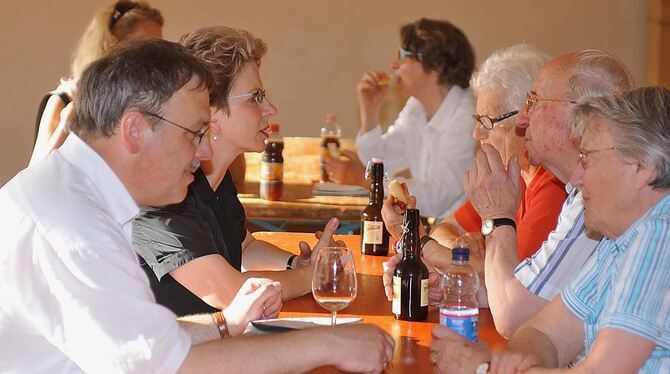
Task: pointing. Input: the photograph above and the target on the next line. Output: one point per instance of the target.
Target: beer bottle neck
(377, 184)
(410, 239)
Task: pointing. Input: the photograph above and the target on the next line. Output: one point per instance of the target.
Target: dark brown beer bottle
(410, 278)
(272, 165)
(330, 142)
(374, 236)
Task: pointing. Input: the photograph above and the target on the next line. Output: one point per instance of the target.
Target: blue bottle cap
(460, 254)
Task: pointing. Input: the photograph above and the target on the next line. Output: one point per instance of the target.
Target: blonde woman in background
(118, 22)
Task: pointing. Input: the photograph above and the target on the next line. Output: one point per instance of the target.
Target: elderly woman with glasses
(198, 253)
(499, 85)
(431, 136)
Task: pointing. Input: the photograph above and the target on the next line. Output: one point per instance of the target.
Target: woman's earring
(215, 137)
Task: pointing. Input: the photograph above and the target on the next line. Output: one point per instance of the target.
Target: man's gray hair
(140, 75)
(595, 73)
(509, 72)
(639, 120)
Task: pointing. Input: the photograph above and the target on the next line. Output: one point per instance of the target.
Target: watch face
(487, 226)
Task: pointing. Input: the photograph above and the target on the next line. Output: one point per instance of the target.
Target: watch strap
(497, 222)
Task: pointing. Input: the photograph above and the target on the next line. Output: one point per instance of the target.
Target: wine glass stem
(333, 319)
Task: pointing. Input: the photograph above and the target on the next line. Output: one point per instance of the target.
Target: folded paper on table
(330, 188)
(294, 323)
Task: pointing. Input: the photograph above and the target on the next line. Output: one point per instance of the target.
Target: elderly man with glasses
(616, 307)
(517, 291)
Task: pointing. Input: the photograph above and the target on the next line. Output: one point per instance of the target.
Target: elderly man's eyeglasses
(584, 155)
(257, 96)
(199, 135)
(532, 99)
(402, 53)
(488, 122)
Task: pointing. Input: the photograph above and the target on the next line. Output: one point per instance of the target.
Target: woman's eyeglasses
(488, 122)
(257, 96)
(402, 53)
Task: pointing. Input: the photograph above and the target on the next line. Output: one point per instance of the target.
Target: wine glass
(334, 279)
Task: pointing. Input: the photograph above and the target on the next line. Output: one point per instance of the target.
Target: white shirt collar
(115, 197)
(447, 108)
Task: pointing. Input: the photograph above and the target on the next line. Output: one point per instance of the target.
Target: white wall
(318, 49)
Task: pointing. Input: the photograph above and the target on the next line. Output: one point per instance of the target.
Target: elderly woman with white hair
(500, 85)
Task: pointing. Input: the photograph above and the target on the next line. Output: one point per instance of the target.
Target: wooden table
(301, 171)
(412, 338)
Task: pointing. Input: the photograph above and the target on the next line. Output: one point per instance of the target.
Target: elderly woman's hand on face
(347, 169)
(452, 353)
(493, 191)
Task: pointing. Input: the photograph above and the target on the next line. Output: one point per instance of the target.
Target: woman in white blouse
(431, 138)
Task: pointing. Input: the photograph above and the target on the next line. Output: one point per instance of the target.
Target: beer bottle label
(396, 295)
(373, 232)
(425, 287)
(272, 171)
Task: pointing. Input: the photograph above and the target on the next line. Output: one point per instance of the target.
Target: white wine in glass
(334, 279)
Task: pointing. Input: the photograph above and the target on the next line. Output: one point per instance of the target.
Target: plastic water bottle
(460, 310)
(330, 142)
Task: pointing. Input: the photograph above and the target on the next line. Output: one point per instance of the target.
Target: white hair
(509, 72)
(597, 73)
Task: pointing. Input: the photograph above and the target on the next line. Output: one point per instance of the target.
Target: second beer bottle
(272, 165)
(410, 278)
(374, 236)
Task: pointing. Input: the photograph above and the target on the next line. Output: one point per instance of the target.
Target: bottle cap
(460, 254)
(274, 127)
(377, 160)
(331, 117)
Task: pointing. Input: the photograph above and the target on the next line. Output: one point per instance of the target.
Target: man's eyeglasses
(257, 96)
(584, 155)
(488, 122)
(199, 135)
(402, 53)
(532, 98)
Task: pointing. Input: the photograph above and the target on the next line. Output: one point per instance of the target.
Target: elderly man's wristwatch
(489, 224)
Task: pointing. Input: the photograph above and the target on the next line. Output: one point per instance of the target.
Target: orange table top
(412, 338)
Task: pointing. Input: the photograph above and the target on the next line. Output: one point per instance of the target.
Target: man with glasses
(516, 291)
(616, 308)
(74, 296)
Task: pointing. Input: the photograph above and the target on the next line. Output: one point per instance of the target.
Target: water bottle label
(272, 171)
(463, 321)
(395, 308)
(372, 232)
(425, 287)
